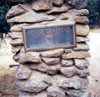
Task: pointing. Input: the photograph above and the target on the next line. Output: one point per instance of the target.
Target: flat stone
(55, 91)
(23, 73)
(80, 39)
(79, 4)
(82, 30)
(51, 61)
(83, 12)
(15, 49)
(82, 19)
(74, 83)
(29, 57)
(41, 5)
(33, 17)
(56, 10)
(82, 73)
(16, 42)
(15, 10)
(45, 68)
(52, 53)
(58, 2)
(36, 84)
(76, 54)
(68, 71)
(81, 63)
(67, 63)
(15, 35)
(18, 28)
(81, 47)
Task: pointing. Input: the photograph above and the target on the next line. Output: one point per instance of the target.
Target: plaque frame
(50, 25)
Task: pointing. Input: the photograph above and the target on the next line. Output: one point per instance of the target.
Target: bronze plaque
(49, 37)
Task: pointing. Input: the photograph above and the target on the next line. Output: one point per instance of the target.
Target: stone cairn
(57, 72)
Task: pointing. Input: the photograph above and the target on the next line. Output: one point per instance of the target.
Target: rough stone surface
(81, 47)
(76, 54)
(82, 30)
(82, 19)
(68, 71)
(32, 18)
(55, 91)
(15, 35)
(67, 63)
(29, 57)
(81, 63)
(35, 84)
(58, 2)
(80, 39)
(23, 73)
(51, 61)
(52, 53)
(41, 5)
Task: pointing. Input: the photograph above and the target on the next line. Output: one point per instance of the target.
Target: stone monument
(57, 72)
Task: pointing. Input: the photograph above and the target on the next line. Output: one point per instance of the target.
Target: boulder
(41, 5)
(81, 47)
(15, 11)
(58, 3)
(56, 10)
(79, 4)
(33, 17)
(82, 30)
(52, 53)
(36, 84)
(76, 54)
(68, 71)
(15, 35)
(55, 91)
(16, 49)
(67, 63)
(81, 20)
(51, 61)
(81, 39)
(29, 57)
(45, 68)
(81, 63)
(23, 73)
(18, 28)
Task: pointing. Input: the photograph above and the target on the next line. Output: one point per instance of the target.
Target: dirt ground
(94, 43)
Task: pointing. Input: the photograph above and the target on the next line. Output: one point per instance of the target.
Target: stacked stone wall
(57, 72)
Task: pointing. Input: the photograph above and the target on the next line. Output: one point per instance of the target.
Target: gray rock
(82, 73)
(56, 10)
(15, 10)
(16, 49)
(83, 12)
(80, 39)
(16, 42)
(18, 28)
(68, 71)
(46, 69)
(33, 17)
(76, 54)
(82, 30)
(55, 91)
(75, 82)
(29, 57)
(79, 4)
(36, 84)
(82, 19)
(16, 35)
(23, 73)
(51, 61)
(67, 63)
(52, 53)
(41, 5)
(81, 47)
(81, 63)
(58, 2)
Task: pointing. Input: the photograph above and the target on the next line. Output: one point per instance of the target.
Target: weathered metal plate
(49, 37)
